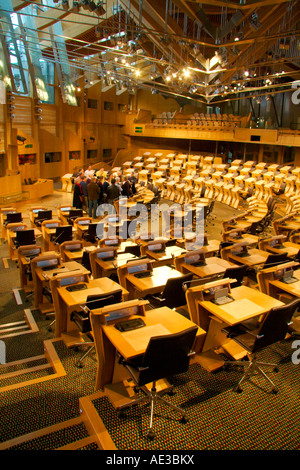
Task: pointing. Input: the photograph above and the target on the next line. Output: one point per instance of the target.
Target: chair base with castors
(253, 368)
(152, 397)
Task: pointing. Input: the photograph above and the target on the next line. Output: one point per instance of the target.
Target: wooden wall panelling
(73, 144)
(108, 95)
(49, 143)
(23, 114)
(49, 118)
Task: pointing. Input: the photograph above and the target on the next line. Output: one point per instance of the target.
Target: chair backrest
(13, 217)
(237, 273)
(167, 355)
(25, 237)
(174, 291)
(274, 259)
(62, 234)
(274, 325)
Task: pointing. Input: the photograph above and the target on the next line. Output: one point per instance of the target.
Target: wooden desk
(71, 301)
(140, 287)
(276, 287)
(108, 340)
(248, 304)
(106, 268)
(292, 249)
(166, 257)
(214, 266)
(43, 277)
(255, 257)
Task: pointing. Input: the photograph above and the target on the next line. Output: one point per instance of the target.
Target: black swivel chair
(272, 329)
(133, 250)
(24, 237)
(62, 234)
(74, 214)
(12, 218)
(42, 216)
(95, 232)
(173, 295)
(237, 273)
(272, 260)
(82, 319)
(165, 356)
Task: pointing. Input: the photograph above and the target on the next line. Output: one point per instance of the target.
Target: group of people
(95, 187)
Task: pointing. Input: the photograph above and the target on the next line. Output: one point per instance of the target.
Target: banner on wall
(2, 92)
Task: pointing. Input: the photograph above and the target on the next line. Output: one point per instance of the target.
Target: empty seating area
(199, 121)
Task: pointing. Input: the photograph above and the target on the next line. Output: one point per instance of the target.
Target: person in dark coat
(93, 195)
(112, 192)
(77, 194)
(126, 187)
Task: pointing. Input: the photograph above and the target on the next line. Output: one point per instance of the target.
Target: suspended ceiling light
(65, 4)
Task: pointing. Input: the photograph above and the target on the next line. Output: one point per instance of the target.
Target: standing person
(112, 192)
(93, 195)
(100, 184)
(105, 186)
(126, 187)
(89, 172)
(118, 184)
(84, 186)
(77, 194)
(132, 178)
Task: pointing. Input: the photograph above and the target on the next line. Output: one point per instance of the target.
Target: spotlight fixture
(100, 11)
(92, 6)
(21, 138)
(65, 4)
(97, 31)
(76, 7)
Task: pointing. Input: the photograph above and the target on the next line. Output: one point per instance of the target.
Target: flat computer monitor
(62, 234)
(25, 237)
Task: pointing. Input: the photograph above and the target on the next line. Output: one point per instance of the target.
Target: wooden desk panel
(256, 257)
(140, 287)
(108, 339)
(214, 265)
(71, 301)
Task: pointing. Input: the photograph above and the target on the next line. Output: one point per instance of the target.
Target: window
(30, 158)
(92, 154)
(74, 155)
(108, 105)
(92, 104)
(52, 157)
(107, 154)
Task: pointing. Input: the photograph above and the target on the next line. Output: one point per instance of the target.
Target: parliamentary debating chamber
(150, 227)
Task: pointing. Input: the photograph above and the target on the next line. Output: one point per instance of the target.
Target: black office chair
(133, 250)
(24, 237)
(237, 273)
(165, 356)
(94, 233)
(62, 234)
(272, 329)
(12, 218)
(82, 319)
(74, 214)
(272, 260)
(173, 295)
(42, 216)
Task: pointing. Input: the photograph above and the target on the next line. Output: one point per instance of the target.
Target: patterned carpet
(219, 418)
